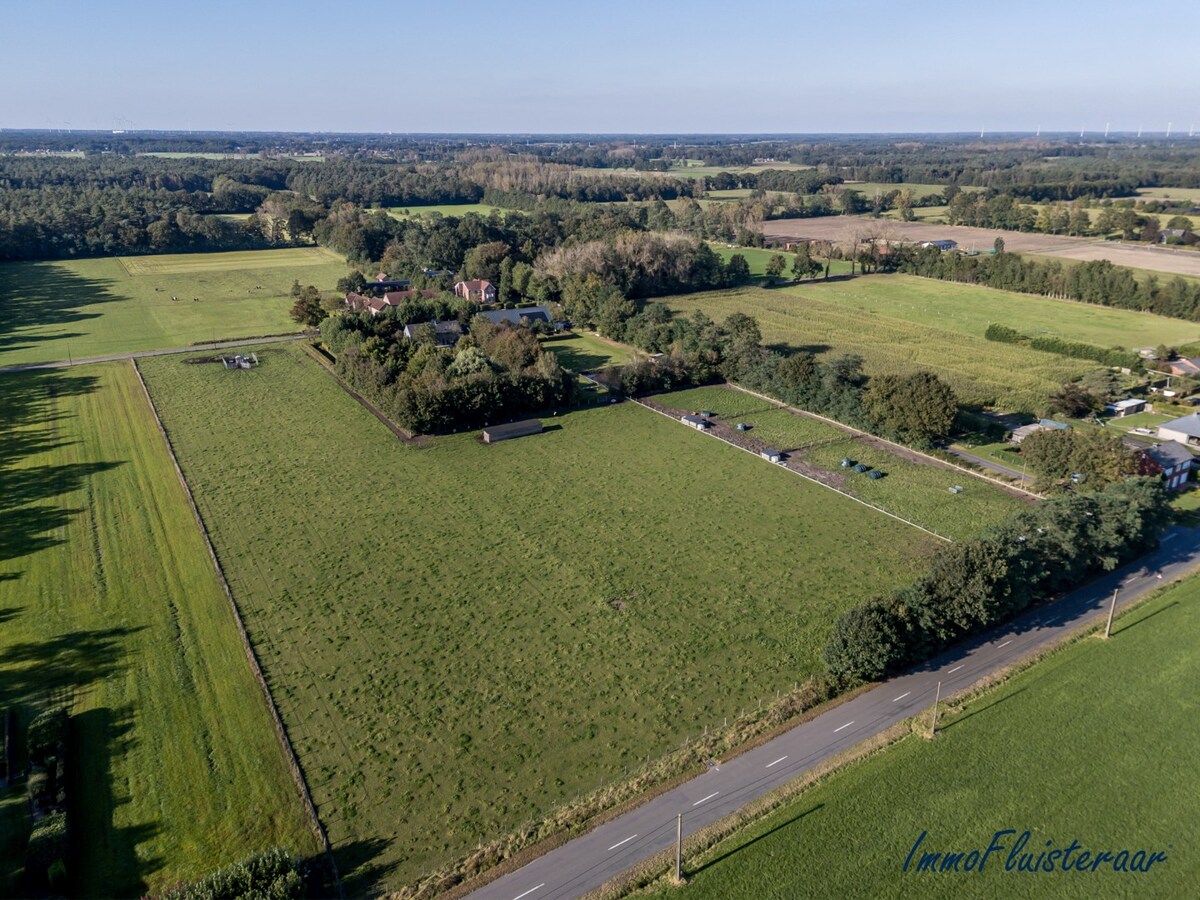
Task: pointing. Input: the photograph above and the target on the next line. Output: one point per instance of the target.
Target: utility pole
(679, 848)
(936, 698)
(1111, 610)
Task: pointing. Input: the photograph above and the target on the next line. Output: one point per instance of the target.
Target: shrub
(270, 875)
(46, 733)
(867, 641)
(48, 844)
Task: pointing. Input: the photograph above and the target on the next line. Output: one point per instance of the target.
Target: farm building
(383, 284)
(1019, 434)
(1184, 430)
(1126, 407)
(494, 433)
(941, 245)
(1174, 460)
(356, 302)
(476, 289)
(1188, 367)
(771, 455)
(445, 334)
(698, 422)
(517, 316)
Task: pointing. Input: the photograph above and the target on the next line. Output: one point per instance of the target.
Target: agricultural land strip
(422, 680)
(94, 307)
(841, 228)
(111, 606)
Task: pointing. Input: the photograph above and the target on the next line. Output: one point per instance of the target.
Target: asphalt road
(195, 348)
(991, 466)
(591, 859)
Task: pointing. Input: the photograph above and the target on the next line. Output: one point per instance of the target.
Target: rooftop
(1189, 425)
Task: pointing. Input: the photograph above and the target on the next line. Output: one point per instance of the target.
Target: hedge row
(49, 843)
(271, 875)
(974, 585)
(1115, 356)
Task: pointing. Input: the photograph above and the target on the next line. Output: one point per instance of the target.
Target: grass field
(1079, 747)
(1172, 192)
(758, 258)
(981, 372)
(919, 493)
(110, 603)
(95, 307)
(445, 209)
(871, 188)
(583, 351)
(460, 635)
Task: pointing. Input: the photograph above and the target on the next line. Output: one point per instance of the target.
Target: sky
(571, 66)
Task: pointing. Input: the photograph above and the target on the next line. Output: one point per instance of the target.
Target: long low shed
(494, 433)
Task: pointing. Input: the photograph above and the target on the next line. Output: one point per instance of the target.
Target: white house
(1184, 430)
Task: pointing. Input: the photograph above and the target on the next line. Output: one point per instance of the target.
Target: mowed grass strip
(461, 635)
(95, 307)
(1082, 746)
(110, 603)
(235, 260)
(982, 373)
(914, 491)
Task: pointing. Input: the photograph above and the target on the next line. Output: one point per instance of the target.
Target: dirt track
(840, 228)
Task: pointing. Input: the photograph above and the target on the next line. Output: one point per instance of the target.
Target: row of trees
(972, 585)
(989, 210)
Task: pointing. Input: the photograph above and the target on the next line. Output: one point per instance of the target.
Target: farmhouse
(1184, 430)
(477, 289)
(941, 245)
(376, 304)
(1126, 407)
(1175, 462)
(698, 422)
(1185, 366)
(445, 334)
(518, 316)
(494, 433)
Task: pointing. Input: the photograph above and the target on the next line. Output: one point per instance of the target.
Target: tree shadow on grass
(37, 300)
(105, 851)
(750, 843)
(362, 875)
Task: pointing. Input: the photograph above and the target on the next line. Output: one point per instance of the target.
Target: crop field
(110, 604)
(918, 492)
(999, 763)
(95, 307)
(982, 373)
(460, 635)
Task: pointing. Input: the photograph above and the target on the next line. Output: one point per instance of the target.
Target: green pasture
(968, 310)
(757, 258)
(582, 351)
(1171, 192)
(96, 307)
(461, 635)
(918, 492)
(814, 317)
(445, 209)
(1083, 746)
(871, 188)
(110, 605)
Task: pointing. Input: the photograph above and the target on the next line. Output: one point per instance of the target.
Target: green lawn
(582, 351)
(96, 307)
(445, 209)
(822, 317)
(917, 492)
(1087, 745)
(110, 604)
(460, 635)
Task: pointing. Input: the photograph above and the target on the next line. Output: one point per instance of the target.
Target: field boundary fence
(285, 742)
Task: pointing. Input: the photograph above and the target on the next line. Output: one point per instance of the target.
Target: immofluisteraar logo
(1017, 856)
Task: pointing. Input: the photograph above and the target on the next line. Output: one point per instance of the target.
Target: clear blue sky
(572, 66)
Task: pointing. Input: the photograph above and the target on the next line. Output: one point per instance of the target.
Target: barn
(494, 433)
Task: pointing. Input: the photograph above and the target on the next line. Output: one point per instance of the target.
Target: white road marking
(955, 669)
(1169, 537)
(902, 696)
(530, 891)
(1053, 621)
(622, 843)
(781, 759)
(1005, 644)
(847, 725)
(709, 797)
